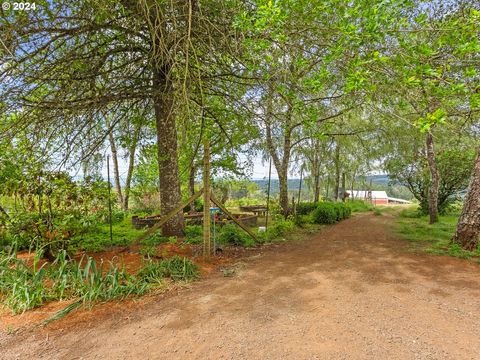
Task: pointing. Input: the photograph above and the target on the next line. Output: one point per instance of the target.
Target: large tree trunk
(191, 180)
(337, 172)
(225, 195)
(316, 173)
(283, 195)
(170, 195)
(468, 227)
(131, 165)
(116, 171)
(316, 180)
(435, 180)
(344, 190)
(280, 163)
(327, 187)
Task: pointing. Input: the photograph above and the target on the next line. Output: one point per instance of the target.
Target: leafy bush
(193, 234)
(325, 213)
(301, 220)
(348, 211)
(343, 211)
(233, 235)
(280, 228)
(306, 208)
(454, 208)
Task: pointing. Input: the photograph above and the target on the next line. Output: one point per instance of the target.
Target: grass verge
(433, 238)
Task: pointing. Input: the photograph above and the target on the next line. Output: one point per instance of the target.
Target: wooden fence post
(230, 215)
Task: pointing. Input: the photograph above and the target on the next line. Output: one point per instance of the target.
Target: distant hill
(293, 184)
(379, 182)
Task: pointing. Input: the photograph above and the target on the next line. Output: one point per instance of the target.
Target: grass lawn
(433, 238)
(98, 238)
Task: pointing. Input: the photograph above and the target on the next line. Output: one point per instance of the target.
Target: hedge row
(306, 207)
(330, 213)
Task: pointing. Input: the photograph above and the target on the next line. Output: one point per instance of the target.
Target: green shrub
(454, 208)
(325, 213)
(280, 228)
(233, 235)
(301, 220)
(377, 212)
(193, 234)
(306, 208)
(348, 211)
(343, 211)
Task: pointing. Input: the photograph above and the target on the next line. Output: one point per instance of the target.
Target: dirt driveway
(351, 292)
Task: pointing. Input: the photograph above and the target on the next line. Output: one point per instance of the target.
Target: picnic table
(259, 210)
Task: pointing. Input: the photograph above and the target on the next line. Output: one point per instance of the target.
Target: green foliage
(175, 268)
(280, 228)
(178, 268)
(343, 211)
(24, 287)
(157, 239)
(96, 237)
(306, 208)
(325, 213)
(377, 211)
(411, 213)
(330, 213)
(434, 238)
(454, 166)
(302, 220)
(148, 251)
(231, 234)
(50, 208)
(150, 245)
(193, 234)
(360, 206)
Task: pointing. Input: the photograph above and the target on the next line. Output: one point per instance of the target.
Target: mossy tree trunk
(468, 227)
(170, 195)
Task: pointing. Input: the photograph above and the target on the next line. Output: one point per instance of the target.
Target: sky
(259, 171)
